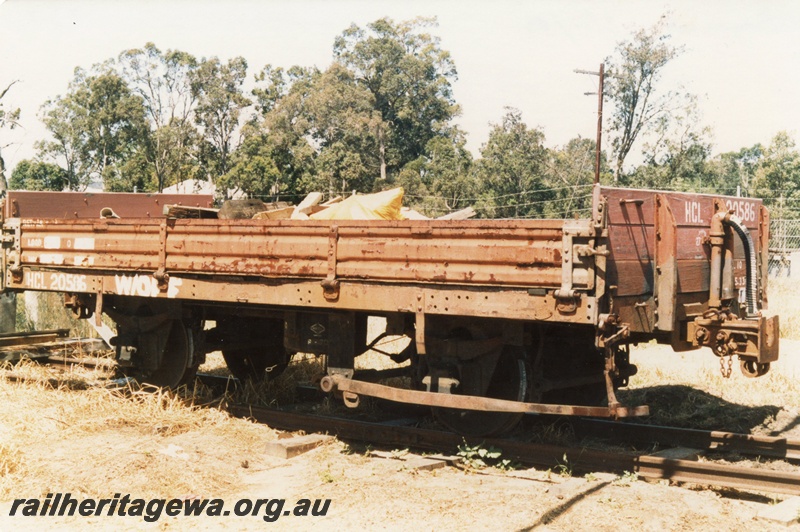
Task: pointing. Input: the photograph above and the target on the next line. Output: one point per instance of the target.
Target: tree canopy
(381, 114)
(9, 119)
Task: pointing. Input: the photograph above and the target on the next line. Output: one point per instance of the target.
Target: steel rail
(542, 455)
(102, 363)
(714, 440)
(746, 444)
(15, 339)
(577, 459)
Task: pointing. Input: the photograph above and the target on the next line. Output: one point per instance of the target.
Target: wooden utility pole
(601, 74)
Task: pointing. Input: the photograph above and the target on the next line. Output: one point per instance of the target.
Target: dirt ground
(94, 443)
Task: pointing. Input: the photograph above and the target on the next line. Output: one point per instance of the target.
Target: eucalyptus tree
(96, 128)
(359, 123)
(735, 172)
(163, 80)
(318, 128)
(633, 74)
(777, 177)
(9, 119)
(276, 158)
(217, 89)
(409, 76)
(345, 126)
(442, 180)
(513, 170)
(569, 175)
(37, 175)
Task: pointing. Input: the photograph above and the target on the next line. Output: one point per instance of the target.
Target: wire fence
(784, 247)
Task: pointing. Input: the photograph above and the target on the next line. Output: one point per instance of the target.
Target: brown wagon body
(553, 302)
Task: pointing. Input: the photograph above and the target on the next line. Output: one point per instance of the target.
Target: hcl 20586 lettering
(56, 281)
(746, 210)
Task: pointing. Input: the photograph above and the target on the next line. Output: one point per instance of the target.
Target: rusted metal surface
(757, 339)
(496, 253)
(32, 338)
(665, 285)
(631, 228)
(365, 296)
(763, 254)
(467, 402)
(672, 260)
(24, 204)
(580, 459)
(648, 250)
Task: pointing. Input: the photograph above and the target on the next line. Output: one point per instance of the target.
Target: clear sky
(741, 57)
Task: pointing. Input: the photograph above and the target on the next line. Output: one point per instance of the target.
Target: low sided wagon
(504, 316)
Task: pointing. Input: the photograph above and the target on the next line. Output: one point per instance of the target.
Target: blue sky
(740, 57)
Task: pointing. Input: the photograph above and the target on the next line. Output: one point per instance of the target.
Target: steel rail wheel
(255, 349)
(178, 366)
(510, 379)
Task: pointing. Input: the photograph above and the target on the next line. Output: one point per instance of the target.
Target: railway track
(578, 459)
(541, 455)
(706, 440)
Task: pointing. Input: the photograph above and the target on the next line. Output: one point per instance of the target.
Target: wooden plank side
(631, 277)
(688, 208)
(631, 237)
(500, 253)
(73, 205)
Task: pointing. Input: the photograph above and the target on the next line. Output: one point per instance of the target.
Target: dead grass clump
(688, 389)
(784, 301)
(99, 440)
(10, 459)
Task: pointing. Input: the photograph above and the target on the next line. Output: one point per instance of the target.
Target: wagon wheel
(510, 380)
(570, 353)
(175, 369)
(256, 350)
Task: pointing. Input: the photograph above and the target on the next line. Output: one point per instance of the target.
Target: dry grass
(784, 301)
(688, 389)
(68, 432)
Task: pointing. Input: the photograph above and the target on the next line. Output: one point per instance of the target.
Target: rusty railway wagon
(504, 317)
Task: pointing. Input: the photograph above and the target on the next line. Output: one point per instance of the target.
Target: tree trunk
(382, 152)
(3, 182)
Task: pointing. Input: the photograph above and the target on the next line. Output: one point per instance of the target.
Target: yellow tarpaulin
(384, 205)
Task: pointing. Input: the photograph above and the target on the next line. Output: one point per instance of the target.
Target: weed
(327, 476)
(564, 468)
(478, 457)
(398, 454)
(627, 478)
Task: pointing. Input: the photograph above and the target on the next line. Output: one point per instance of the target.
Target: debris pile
(385, 205)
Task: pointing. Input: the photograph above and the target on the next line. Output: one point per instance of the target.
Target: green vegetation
(478, 457)
(382, 114)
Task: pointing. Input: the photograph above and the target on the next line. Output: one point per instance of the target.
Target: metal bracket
(621, 333)
(161, 273)
(419, 333)
(338, 383)
(14, 257)
(566, 291)
(330, 285)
